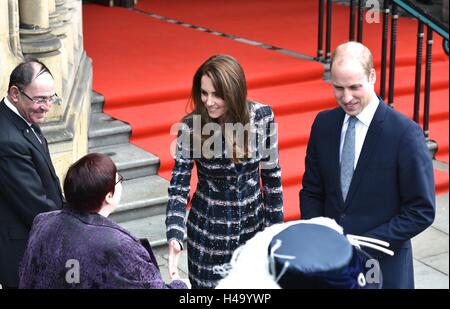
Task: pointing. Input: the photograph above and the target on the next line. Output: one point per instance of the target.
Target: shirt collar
(366, 115)
(15, 110)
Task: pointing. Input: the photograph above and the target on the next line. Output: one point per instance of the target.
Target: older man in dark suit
(368, 167)
(28, 181)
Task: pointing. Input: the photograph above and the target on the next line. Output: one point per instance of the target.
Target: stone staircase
(144, 198)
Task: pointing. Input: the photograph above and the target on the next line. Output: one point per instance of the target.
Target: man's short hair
(354, 50)
(23, 73)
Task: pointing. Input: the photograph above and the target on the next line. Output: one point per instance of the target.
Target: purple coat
(68, 249)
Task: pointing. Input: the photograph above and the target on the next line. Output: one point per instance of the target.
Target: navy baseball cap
(315, 256)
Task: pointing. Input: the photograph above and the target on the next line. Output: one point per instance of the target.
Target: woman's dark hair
(88, 181)
(229, 82)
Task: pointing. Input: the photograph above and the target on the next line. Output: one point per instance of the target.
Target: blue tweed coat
(232, 202)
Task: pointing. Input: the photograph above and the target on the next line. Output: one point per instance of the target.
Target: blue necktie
(348, 156)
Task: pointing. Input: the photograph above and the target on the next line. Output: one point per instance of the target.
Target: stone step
(131, 160)
(97, 102)
(141, 198)
(153, 228)
(105, 130)
(144, 198)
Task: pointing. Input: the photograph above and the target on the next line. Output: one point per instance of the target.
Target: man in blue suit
(377, 180)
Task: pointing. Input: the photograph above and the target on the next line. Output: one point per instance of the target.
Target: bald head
(351, 52)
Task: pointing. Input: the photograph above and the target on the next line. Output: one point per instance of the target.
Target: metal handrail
(390, 8)
(419, 14)
(433, 25)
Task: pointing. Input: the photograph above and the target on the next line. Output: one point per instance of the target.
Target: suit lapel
(370, 143)
(335, 135)
(21, 125)
(29, 135)
(42, 148)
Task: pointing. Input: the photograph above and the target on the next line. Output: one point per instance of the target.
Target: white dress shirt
(361, 126)
(16, 111)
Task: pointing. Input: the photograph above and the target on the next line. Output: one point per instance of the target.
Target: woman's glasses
(120, 179)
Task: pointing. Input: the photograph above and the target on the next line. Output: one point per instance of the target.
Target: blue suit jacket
(391, 195)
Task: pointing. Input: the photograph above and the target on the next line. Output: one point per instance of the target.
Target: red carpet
(288, 24)
(144, 68)
(155, 60)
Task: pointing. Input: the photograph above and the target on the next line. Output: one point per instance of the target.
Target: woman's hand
(174, 255)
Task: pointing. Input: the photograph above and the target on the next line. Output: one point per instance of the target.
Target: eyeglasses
(120, 179)
(42, 100)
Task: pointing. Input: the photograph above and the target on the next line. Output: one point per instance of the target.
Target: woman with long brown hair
(233, 143)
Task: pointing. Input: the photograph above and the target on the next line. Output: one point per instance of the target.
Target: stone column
(77, 28)
(67, 19)
(10, 50)
(12, 14)
(38, 41)
(59, 29)
(43, 29)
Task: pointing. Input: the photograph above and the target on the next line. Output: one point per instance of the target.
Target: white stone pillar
(59, 29)
(10, 53)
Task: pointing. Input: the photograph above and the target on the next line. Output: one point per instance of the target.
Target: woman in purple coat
(79, 247)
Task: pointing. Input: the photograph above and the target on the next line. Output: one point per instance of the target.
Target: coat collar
(16, 120)
(335, 136)
(95, 219)
(28, 134)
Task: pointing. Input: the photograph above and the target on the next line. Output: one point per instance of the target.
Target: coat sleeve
(312, 194)
(179, 187)
(132, 267)
(416, 191)
(21, 186)
(271, 174)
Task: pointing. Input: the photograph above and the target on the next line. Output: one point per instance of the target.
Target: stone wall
(51, 30)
